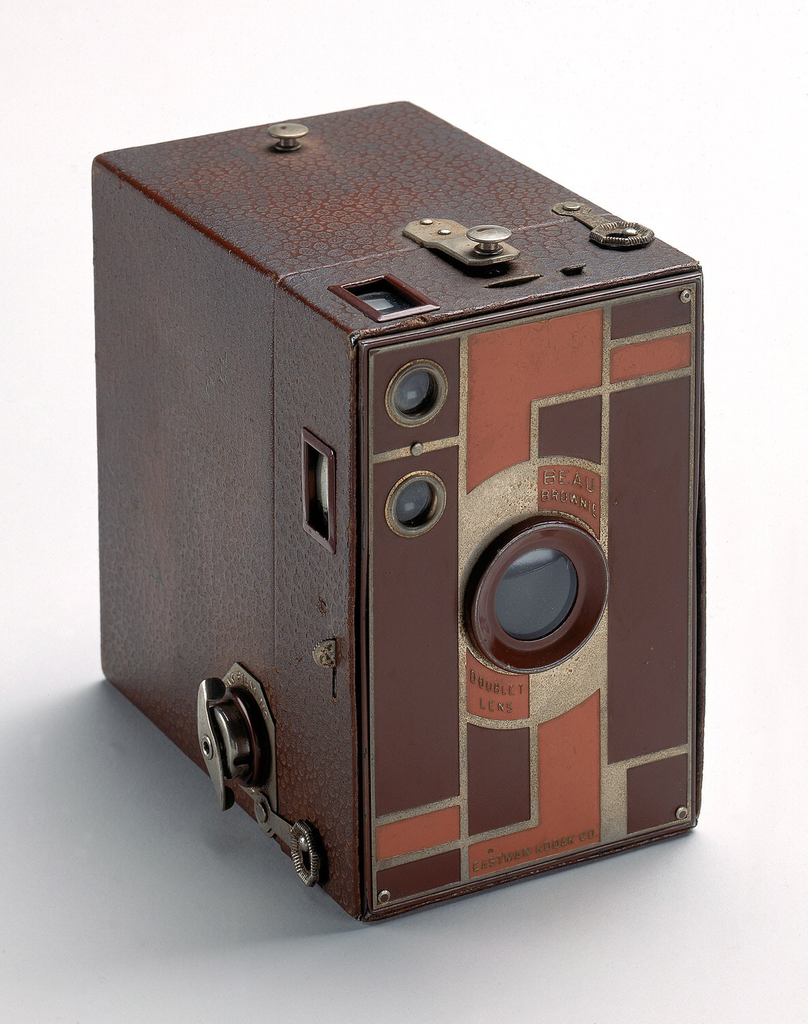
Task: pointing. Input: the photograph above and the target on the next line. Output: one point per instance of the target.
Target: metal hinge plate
(449, 237)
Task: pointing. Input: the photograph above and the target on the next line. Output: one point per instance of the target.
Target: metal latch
(237, 738)
(480, 246)
(607, 232)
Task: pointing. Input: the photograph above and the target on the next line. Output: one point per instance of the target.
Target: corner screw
(417, 448)
(685, 295)
(444, 231)
(287, 135)
(207, 748)
(426, 220)
(681, 813)
(571, 206)
(261, 812)
(385, 896)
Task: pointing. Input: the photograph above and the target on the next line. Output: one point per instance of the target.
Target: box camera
(419, 499)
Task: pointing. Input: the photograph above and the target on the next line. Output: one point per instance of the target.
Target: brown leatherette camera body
(425, 516)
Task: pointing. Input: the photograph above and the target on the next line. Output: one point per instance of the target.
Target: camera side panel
(184, 379)
(208, 373)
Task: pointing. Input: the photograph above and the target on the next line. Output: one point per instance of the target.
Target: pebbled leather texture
(204, 560)
(336, 209)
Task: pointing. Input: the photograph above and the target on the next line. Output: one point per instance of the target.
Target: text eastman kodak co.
(541, 849)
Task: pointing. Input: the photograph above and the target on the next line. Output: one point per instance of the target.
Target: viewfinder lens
(385, 300)
(416, 393)
(415, 504)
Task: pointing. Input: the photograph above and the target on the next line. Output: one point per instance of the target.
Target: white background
(124, 895)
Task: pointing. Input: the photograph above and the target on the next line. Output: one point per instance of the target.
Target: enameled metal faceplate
(587, 415)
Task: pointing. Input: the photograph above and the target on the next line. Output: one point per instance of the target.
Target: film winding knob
(605, 231)
(287, 135)
(488, 238)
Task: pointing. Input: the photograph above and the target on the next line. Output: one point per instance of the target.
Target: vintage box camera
(419, 499)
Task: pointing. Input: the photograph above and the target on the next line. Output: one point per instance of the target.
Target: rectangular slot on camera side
(318, 490)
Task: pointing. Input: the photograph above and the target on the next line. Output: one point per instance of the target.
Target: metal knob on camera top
(236, 734)
(488, 238)
(287, 135)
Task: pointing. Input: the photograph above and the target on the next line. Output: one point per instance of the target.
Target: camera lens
(416, 393)
(536, 594)
(415, 504)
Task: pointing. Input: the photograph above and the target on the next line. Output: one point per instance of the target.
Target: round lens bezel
(436, 511)
(438, 375)
(484, 628)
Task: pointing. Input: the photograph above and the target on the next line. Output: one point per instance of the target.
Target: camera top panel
(326, 210)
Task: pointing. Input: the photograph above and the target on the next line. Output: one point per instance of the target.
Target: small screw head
(325, 654)
(287, 135)
(444, 231)
(417, 448)
(571, 206)
(207, 748)
(685, 295)
(681, 813)
(385, 896)
(426, 220)
(261, 811)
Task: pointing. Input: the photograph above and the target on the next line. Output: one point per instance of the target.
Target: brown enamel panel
(420, 832)
(509, 368)
(571, 429)
(655, 791)
(420, 875)
(645, 357)
(387, 434)
(569, 795)
(414, 638)
(648, 560)
(499, 777)
(639, 316)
